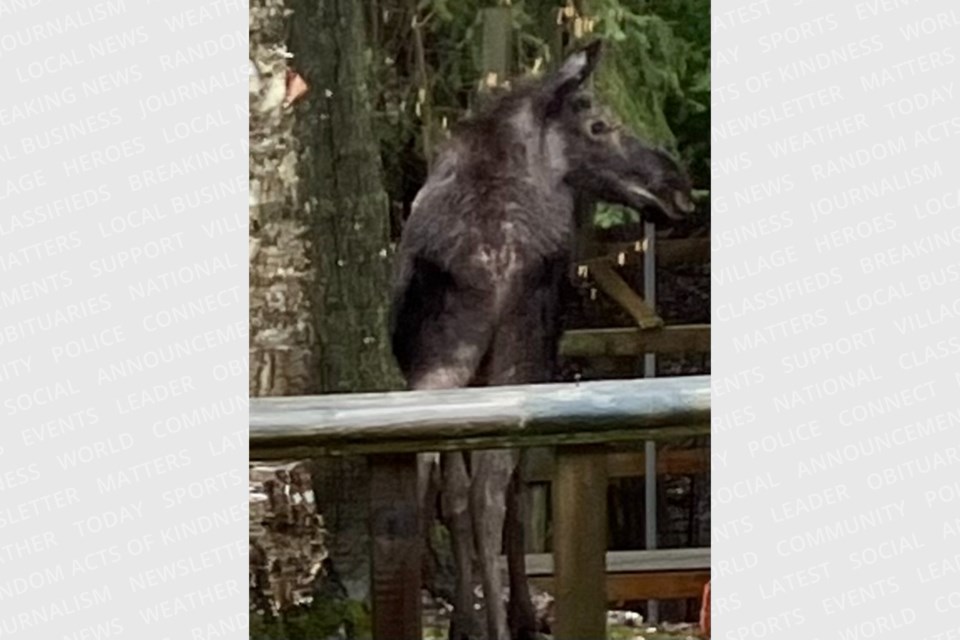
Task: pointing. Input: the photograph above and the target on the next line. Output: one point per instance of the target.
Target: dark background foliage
(427, 64)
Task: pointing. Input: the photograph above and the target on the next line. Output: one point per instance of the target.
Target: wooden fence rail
(391, 428)
(605, 412)
(638, 575)
(634, 342)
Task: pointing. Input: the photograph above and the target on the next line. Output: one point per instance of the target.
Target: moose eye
(598, 127)
(581, 104)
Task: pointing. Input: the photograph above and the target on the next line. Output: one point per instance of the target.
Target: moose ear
(579, 65)
(572, 73)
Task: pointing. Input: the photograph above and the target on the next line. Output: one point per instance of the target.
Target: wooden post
(424, 99)
(497, 45)
(396, 540)
(580, 543)
(580, 510)
(535, 524)
(536, 496)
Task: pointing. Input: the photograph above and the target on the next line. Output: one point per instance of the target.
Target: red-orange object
(296, 87)
(705, 612)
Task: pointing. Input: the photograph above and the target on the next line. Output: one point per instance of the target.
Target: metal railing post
(650, 447)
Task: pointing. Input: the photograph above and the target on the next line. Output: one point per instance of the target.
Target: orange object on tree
(296, 87)
(705, 612)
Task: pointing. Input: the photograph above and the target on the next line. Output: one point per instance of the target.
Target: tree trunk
(344, 195)
(320, 246)
(286, 531)
(320, 252)
(282, 345)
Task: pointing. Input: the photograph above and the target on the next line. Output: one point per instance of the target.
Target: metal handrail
(603, 412)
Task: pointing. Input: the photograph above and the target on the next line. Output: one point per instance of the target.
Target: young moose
(481, 267)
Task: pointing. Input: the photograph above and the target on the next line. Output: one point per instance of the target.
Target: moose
(483, 263)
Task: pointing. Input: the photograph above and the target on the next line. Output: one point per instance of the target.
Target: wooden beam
(666, 585)
(629, 464)
(535, 522)
(541, 564)
(639, 575)
(682, 338)
(670, 461)
(497, 45)
(396, 542)
(579, 544)
(660, 585)
(616, 287)
(670, 251)
(601, 412)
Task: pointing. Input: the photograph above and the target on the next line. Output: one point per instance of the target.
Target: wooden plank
(660, 585)
(579, 544)
(484, 417)
(610, 282)
(542, 564)
(683, 338)
(670, 251)
(424, 99)
(669, 461)
(396, 542)
(497, 45)
(629, 464)
(623, 587)
(535, 524)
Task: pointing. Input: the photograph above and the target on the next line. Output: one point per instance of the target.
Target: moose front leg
(488, 492)
(521, 617)
(428, 489)
(455, 503)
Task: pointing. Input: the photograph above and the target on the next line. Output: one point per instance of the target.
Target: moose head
(605, 161)
(572, 140)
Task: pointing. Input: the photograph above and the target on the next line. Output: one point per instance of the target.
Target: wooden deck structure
(643, 342)
(580, 420)
(658, 574)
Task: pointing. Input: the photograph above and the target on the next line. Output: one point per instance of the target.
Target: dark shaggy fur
(481, 266)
